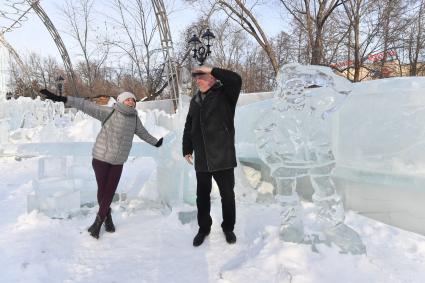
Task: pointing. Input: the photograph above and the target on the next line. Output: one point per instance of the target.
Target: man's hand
(202, 69)
(189, 158)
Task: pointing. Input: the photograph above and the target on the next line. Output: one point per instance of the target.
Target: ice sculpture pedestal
(62, 186)
(54, 192)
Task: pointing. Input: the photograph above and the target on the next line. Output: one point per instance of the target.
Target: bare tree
(229, 44)
(78, 17)
(135, 32)
(286, 49)
(239, 11)
(415, 41)
(43, 70)
(363, 32)
(391, 25)
(255, 70)
(17, 83)
(233, 50)
(312, 15)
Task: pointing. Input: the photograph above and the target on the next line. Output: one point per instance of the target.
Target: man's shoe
(230, 237)
(199, 238)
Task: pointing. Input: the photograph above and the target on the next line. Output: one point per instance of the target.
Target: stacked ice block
(62, 186)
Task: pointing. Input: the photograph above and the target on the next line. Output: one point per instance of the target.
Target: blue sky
(34, 37)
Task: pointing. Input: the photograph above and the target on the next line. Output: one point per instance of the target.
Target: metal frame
(167, 50)
(15, 56)
(165, 36)
(59, 43)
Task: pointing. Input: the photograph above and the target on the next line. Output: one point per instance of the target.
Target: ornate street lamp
(59, 84)
(201, 49)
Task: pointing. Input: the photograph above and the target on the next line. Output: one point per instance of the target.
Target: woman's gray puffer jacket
(114, 141)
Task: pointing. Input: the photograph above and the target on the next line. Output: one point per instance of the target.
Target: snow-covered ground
(150, 246)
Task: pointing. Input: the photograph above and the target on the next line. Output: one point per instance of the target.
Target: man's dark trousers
(225, 180)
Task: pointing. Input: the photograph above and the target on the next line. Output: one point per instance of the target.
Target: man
(209, 132)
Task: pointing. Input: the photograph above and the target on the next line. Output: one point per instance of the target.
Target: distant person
(112, 147)
(209, 133)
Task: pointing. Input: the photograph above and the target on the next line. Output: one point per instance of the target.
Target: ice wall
(379, 143)
(378, 138)
(381, 127)
(55, 191)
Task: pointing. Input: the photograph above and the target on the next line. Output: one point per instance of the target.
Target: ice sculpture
(293, 139)
(64, 182)
(54, 192)
(174, 178)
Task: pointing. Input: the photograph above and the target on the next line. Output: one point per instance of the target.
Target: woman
(112, 147)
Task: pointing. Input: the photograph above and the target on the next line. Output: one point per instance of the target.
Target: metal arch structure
(58, 41)
(34, 5)
(15, 56)
(165, 36)
(167, 50)
(12, 52)
(166, 44)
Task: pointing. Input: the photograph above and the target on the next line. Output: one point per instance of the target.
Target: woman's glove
(159, 143)
(53, 96)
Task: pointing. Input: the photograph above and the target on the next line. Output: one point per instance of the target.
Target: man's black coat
(209, 130)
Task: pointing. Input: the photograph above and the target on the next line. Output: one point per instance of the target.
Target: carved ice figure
(293, 140)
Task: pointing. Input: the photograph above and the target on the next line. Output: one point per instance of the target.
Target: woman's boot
(94, 229)
(109, 225)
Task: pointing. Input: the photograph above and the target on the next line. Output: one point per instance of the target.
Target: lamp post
(59, 84)
(201, 49)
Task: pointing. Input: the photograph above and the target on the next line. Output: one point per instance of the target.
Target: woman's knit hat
(124, 95)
